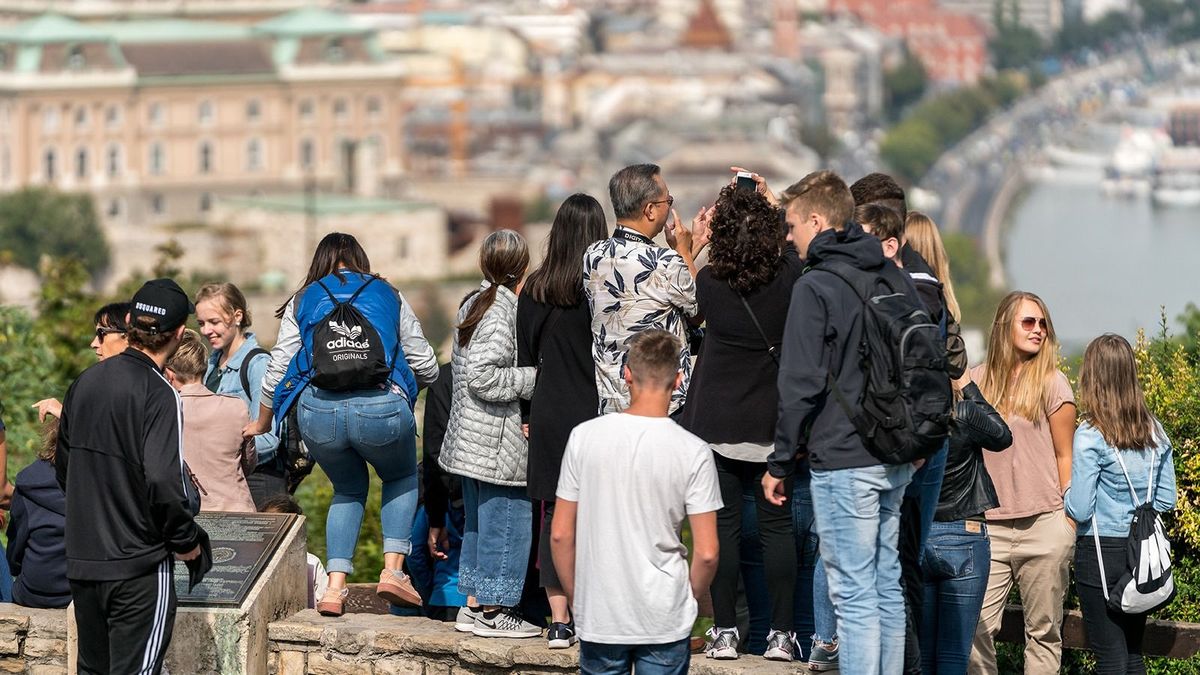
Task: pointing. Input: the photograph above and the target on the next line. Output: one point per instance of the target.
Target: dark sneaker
(781, 646)
(824, 656)
(722, 643)
(503, 623)
(465, 621)
(560, 635)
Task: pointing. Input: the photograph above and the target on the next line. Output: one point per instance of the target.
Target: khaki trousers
(1035, 552)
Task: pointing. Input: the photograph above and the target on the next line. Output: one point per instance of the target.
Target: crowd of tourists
(855, 496)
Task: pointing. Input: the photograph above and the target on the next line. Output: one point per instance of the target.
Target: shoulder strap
(244, 370)
(861, 281)
(354, 297)
(1099, 558)
(762, 333)
(1149, 486)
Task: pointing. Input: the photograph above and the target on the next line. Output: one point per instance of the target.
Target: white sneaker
(781, 646)
(464, 622)
(504, 623)
(722, 643)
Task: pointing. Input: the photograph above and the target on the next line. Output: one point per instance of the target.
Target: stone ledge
(32, 640)
(371, 643)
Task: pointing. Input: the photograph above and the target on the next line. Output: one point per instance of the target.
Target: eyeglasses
(669, 201)
(1028, 322)
(101, 332)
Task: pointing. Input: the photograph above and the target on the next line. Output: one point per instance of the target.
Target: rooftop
(311, 21)
(50, 28)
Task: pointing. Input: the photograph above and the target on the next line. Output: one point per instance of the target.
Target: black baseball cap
(164, 303)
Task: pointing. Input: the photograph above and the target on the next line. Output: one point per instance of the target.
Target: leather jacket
(967, 489)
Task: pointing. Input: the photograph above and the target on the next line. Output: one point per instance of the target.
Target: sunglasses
(1028, 322)
(101, 332)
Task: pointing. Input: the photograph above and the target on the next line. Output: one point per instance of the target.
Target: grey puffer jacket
(483, 437)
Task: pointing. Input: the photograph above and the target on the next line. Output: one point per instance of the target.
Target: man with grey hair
(633, 284)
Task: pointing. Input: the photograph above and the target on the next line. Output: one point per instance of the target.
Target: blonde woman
(921, 234)
(1122, 459)
(1031, 538)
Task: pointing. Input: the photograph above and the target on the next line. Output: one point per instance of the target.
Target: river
(1102, 264)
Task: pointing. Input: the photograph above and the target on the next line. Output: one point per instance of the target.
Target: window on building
(112, 116)
(115, 207)
(49, 165)
(158, 159)
(81, 163)
(112, 161)
(158, 204)
(335, 50)
(3, 59)
(253, 111)
(306, 110)
(307, 152)
(5, 164)
(374, 107)
(154, 113)
(204, 112)
(75, 58)
(254, 152)
(50, 119)
(340, 109)
(205, 202)
(402, 247)
(205, 157)
(81, 117)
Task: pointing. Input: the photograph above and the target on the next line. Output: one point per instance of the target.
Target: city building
(952, 46)
(108, 10)
(1043, 16)
(158, 118)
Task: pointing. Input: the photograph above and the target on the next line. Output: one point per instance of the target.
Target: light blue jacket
(1098, 486)
(231, 383)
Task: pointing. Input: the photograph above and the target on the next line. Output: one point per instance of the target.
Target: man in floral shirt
(633, 284)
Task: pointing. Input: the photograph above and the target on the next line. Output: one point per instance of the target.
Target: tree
(910, 148)
(970, 271)
(37, 222)
(903, 85)
(29, 372)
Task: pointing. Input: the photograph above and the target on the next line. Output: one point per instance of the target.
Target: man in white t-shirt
(628, 480)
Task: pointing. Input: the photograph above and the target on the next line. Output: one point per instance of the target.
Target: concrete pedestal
(233, 640)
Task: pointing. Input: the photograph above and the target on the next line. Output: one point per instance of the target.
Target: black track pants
(125, 626)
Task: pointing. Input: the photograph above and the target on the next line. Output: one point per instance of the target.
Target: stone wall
(387, 645)
(33, 641)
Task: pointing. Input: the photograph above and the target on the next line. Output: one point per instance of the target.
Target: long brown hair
(558, 280)
(1022, 391)
(1110, 395)
(922, 234)
(503, 259)
(336, 251)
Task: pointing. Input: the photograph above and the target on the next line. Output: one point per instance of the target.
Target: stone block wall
(33, 641)
(373, 644)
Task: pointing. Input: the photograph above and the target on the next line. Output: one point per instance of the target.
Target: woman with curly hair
(744, 293)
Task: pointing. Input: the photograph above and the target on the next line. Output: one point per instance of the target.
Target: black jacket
(967, 489)
(822, 336)
(37, 552)
(120, 463)
(442, 490)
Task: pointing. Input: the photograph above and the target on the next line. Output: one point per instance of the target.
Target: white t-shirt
(635, 479)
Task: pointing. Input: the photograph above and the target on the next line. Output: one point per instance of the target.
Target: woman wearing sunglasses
(109, 341)
(1031, 538)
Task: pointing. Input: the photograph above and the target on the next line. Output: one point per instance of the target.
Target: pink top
(1026, 474)
(213, 448)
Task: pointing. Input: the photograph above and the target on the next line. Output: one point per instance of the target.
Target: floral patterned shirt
(633, 285)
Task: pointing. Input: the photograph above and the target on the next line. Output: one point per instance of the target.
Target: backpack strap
(244, 369)
(1099, 558)
(1132, 493)
(762, 333)
(354, 297)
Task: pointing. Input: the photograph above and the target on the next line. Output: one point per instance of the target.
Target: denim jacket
(231, 383)
(1098, 486)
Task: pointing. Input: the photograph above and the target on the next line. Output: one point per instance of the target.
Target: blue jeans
(435, 580)
(672, 658)
(926, 488)
(345, 431)
(496, 541)
(956, 565)
(6, 578)
(859, 525)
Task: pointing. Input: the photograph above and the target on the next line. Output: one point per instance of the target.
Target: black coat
(967, 489)
(558, 340)
(733, 396)
(442, 490)
(37, 550)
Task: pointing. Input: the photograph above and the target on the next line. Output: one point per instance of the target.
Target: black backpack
(347, 354)
(291, 452)
(1147, 581)
(905, 410)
